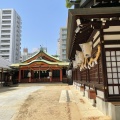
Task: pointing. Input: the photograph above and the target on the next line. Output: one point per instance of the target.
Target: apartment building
(62, 44)
(10, 35)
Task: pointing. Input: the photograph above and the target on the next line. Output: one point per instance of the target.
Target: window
(5, 56)
(113, 71)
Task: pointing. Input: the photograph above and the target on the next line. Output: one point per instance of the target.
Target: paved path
(11, 100)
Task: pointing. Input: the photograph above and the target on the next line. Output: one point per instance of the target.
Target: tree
(70, 3)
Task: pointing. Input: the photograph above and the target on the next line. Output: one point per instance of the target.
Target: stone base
(107, 108)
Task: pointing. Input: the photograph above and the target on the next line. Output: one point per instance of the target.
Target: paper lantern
(50, 74)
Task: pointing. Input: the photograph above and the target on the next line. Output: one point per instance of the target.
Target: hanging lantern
(50, 74)
(29, 74)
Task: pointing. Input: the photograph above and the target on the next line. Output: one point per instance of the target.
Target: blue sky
(41, 21)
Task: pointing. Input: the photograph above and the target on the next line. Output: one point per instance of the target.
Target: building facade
(62, 44)
(10, 35)
(93, 47)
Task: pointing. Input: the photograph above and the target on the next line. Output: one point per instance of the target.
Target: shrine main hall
(41, 67)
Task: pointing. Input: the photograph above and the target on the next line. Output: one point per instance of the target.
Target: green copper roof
(44, 53)
(42, 60)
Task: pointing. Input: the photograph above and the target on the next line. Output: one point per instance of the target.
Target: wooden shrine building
(41, 67)
(5, 72)
(93, 47)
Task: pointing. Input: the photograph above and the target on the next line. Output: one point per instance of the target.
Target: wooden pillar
(32, 74)
(23, 74)
(75, 74)
(72, 75)
(39, 74)
(60, 75)
(1, 76)
(19, 78)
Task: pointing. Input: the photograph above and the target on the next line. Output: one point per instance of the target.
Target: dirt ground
(44, 105)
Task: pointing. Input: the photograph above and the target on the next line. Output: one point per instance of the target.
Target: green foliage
(68, 4)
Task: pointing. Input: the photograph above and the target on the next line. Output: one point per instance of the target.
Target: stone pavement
(11, 98)
(87, 111)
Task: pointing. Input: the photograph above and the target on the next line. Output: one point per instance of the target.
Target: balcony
(6, 27)
(5, 56)
(5, 46)
(6, 12)
(5, 36)
(5, 31)
(63, 47)
(4, 53)
(63, 53)
(4, 39)
(6, 22)
(64, 42)
(6, 17)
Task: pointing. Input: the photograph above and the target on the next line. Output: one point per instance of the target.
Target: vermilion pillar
(32, 77)
(23, 74)
(60, 74)
(32, 74)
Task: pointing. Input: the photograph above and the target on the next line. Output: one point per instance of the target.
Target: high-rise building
(10, 35)
(62, 44)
